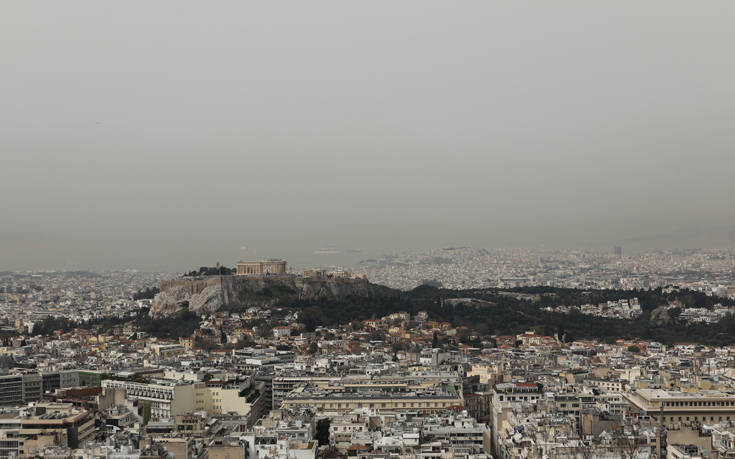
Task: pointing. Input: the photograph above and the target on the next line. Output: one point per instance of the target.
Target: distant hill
(492, 311)
(211, 293)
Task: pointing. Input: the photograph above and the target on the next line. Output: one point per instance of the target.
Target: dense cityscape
(89, 372)
(81, 296)
(463, 268)
(367, 230)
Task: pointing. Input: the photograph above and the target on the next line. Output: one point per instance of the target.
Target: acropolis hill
(257, 283)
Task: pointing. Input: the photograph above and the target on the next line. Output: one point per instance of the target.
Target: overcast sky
(170, 134)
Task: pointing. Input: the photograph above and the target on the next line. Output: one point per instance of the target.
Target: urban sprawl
(84, 374)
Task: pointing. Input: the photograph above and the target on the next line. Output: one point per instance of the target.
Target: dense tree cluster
(50, 324)
(146, 294)
(512, 314)
(180, 324)
(502, 312)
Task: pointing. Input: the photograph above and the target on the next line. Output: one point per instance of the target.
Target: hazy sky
(171, 134)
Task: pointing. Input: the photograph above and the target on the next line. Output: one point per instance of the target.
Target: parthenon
(259, 268)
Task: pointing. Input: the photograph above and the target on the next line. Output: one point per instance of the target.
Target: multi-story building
(386, 394)
(241, 398)
(167, 351)
(281, 386)
(166, 398)
(23, 434)
(276, 438)
(463, 433)
(506, 398)
(677, 406)
(32, 387)
(11, 389)
(169, 398)
(723, 439)
(20, 388)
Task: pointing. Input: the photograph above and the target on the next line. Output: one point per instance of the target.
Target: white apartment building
(167, 398)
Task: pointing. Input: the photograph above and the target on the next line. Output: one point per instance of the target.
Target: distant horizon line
(386, 253)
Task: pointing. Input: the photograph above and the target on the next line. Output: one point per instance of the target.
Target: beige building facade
(677, 406)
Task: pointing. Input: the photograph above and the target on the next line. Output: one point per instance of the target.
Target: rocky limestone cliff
(209, 294)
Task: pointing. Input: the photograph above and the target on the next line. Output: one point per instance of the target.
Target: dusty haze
(166, 135)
